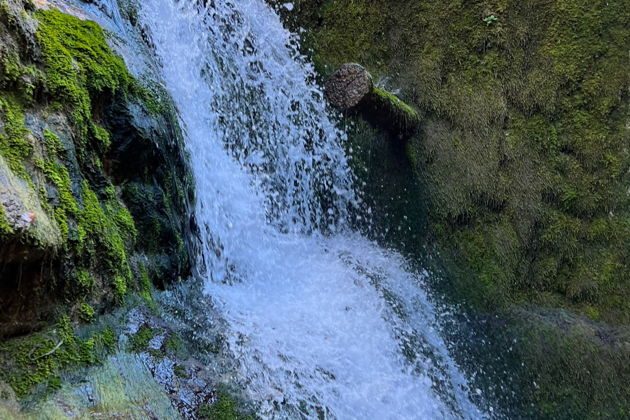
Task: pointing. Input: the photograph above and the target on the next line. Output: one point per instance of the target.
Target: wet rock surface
(188, 383)
(87, 169)
(153, 371)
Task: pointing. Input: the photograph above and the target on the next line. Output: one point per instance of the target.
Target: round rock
(348, 86)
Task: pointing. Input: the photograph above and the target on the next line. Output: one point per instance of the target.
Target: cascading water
(321, 322)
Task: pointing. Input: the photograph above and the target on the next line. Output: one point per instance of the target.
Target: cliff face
(523, 151)
(522, 166)
(94, 190)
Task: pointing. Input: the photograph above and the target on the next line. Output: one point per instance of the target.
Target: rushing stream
(321, 321)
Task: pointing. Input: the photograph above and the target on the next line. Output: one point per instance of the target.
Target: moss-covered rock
(121, 387)
(556, 365)
(78, 135)
(522, 164)
(351, 90)
(224, 408)
(523, 149)
(37, 361)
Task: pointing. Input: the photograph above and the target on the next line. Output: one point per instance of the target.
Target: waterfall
(321, 322)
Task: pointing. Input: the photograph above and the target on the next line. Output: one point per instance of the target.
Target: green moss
(39, 358)
(84, 279)
(86, 313)
(10, 69)
(14, 146)
(525, 134)
(4, 9)
(493, 282)
(390, 97)
(358, 40)
(109, 228)
(110, 192)
(552, 355)
(393, 112)
(119, 284)
(81, 72)
(66, 90)
(145, 287)
(153, 96)
(225, 408)
(5, 227)
(7, 15)
(523, 157)
(140, 340)
(36, 363)
(17, 78)
(79, 64)
(555, 364)
(101, 136)
(67, 206)
(106, 340)
(123, 220)
(53, 144)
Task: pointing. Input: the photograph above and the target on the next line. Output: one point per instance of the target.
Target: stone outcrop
(351, 89)
(91, 160)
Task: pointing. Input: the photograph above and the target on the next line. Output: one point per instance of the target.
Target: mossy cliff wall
(94, 189)
(523, 164)
(524, 147)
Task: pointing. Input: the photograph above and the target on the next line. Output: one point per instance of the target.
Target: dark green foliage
(387, 112)
(57, 174)
(86, 313)
(105, 233)
(560, 366)
(106, 341)
(389, 187)
(5, 227)
(79, 71)
(15, 76)
(577, 374)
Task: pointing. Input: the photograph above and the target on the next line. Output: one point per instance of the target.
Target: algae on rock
(69, 223)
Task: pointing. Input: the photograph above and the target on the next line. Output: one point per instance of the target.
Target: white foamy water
(321, 321)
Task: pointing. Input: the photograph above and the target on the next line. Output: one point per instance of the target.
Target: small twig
(50, 352)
